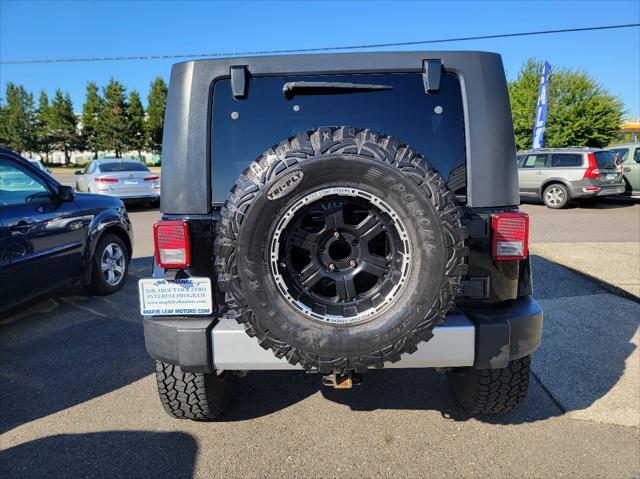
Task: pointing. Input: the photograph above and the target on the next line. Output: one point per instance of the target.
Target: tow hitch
(342, 381)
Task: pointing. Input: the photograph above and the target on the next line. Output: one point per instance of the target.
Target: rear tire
(556, 196)
(196, 396)
(491, 391)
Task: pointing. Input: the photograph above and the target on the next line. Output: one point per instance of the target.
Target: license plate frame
(182, 297)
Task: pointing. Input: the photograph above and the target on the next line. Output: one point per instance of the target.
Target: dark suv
(336, 213)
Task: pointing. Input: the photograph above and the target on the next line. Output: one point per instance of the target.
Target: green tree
(4, 140)
(136, 139)
(581, 112)
(113, 125)
(90, 112)
(154, 125)
(42, 128)
(63, 124)
(17, 119)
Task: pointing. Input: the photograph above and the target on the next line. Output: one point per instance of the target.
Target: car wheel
(491, 391)
(196, 396)
(110, 266)
(555, 196)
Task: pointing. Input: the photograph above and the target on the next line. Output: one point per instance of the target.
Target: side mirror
(66, 193)
(77, 172)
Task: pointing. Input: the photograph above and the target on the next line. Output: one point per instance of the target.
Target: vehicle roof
(120, 160)
(568, 149)
(621, 145)
(339, 57)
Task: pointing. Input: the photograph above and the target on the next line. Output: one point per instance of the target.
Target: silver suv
(559, 175)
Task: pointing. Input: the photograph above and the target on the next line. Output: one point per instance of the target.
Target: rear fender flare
(105, 221)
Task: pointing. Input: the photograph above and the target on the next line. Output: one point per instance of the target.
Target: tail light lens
(592, 169)
(102, 179)
(172, 243)
(152, 178)
(510, 236)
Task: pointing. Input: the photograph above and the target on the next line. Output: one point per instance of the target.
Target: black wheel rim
(342, 256)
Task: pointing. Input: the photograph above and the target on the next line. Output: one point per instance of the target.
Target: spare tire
(340, 249)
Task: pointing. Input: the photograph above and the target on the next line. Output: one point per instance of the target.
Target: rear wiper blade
(290, 89)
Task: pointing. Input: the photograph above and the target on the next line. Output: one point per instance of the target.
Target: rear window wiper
(291, 89)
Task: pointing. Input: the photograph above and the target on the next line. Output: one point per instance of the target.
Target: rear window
(119, 166)
(566, 160)
(605, 159)
(623, 153)
(535, 161)
(432, 124)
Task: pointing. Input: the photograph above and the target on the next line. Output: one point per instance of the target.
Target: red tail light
(510, 236)
(102, 179)
(172, 243)
(592, 169)
(152, 178)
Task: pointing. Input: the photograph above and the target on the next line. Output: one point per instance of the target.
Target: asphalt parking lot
(78, 394)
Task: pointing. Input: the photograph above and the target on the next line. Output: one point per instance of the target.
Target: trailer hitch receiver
(342, 381)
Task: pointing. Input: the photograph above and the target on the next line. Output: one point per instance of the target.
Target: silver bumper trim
(452, 345)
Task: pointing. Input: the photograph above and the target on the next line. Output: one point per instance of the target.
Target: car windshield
(605, 159)
(119, 166)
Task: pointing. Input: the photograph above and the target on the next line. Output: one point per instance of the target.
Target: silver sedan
(124, 179)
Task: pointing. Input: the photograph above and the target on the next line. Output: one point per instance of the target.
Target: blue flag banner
(541, 109)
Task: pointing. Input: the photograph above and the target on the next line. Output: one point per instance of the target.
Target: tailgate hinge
(239, 80)
(431, 73)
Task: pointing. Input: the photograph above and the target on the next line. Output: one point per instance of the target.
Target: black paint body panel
(57, 247)
(489, 141)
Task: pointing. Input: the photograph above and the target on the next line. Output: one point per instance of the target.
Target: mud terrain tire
(333, 169)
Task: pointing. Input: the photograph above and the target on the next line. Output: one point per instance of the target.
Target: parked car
(129, 180)
(629, 156)
(559, 175)
(39, 165)
(391, 239)
(51, 237)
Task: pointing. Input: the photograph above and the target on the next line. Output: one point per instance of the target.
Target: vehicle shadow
(581, 358)
(65, 350)
(601, 204)
(85, 347)
(140, 207)
(115, 454)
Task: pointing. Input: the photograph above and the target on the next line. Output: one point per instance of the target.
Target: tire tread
(305, 147)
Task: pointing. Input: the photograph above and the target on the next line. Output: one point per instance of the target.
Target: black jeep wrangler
(335, 213)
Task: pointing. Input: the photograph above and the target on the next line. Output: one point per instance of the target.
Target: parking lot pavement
(607, 221)
(78, 397)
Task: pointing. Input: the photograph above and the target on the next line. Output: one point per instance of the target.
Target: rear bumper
(583, 191)
(484, 339)
(150, 195)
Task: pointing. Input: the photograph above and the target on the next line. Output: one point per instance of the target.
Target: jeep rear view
(336, 213)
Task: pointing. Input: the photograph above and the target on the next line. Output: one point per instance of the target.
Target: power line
(317, 49)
